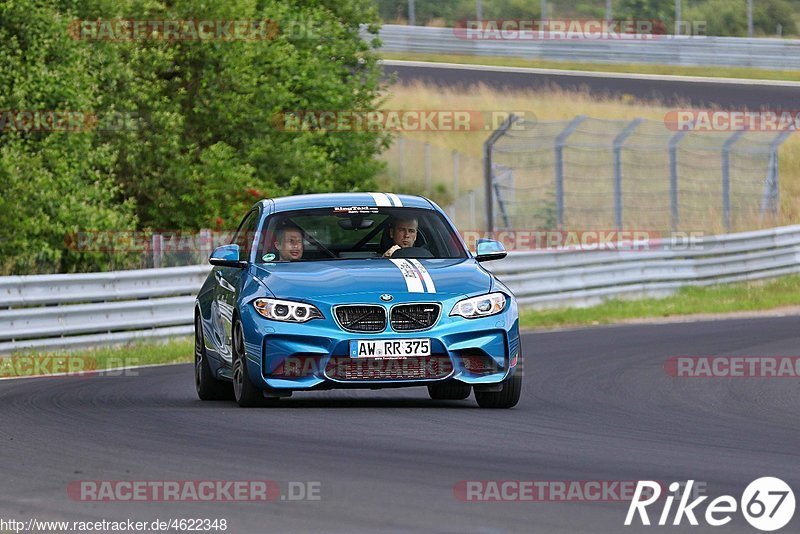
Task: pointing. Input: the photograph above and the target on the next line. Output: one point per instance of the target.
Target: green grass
(752, 296)
(32, 363)
(636, 68)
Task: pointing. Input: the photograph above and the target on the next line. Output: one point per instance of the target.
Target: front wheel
(244, 391)
(508, 397)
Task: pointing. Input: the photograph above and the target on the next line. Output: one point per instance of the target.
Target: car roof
(330, 200)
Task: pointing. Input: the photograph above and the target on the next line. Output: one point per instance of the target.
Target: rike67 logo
(767, 504)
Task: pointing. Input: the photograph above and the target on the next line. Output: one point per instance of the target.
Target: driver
(403, 233)
(289, 242)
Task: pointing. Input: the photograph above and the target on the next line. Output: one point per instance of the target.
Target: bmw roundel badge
(386, 297)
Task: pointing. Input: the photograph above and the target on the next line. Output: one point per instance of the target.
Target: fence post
(487, 168)
(472, 209)
(455, 182)
(157, 241)
(769, 200)
(618, 142)
(726, 178)
(559, 167)
(427, 149)
(401, 150)
(674, 141)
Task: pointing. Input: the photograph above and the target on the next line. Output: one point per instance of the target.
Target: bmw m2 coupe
(355, 290)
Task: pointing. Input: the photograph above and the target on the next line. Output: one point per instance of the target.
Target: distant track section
(728, 93)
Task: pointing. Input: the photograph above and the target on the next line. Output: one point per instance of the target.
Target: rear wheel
(207, 386)
(508, 397)
(246, 393)
(450, 390)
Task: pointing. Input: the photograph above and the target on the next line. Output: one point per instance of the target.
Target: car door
(228, 283)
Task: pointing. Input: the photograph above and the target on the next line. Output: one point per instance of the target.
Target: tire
(508, 397)
(208, 387)
(246, 393)
(450, 390)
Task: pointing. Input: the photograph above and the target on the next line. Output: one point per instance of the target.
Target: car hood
(403, 279)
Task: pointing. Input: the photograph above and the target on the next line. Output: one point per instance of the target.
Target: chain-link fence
(452, 179)
(598, 173)
(591, 173)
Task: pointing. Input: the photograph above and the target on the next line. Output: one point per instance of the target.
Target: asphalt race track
(670, 90)
(597, 405)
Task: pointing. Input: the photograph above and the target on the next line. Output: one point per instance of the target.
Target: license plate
(389, 348)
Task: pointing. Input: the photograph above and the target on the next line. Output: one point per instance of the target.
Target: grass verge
(32, 363)
(750, 73)
(741, 297)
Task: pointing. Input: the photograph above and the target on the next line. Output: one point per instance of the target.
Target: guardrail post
(488, 177)
(726, 178)
(559, 166)
(769, 200)
(674, 141)
(618, 142)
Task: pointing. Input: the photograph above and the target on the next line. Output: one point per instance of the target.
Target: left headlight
(482, 306)
(286, 310)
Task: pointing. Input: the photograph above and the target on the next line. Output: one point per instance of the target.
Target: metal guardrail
(53, 312)
(765, 53)
(49, 312)
(546, 279)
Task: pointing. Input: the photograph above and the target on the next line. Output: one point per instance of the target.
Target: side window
(246, 234)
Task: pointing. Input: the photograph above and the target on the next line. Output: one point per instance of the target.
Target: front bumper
(314, 355)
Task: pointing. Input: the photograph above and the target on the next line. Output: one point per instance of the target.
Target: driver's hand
(391, 251)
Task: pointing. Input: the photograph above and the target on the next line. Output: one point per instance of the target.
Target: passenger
(289, 243)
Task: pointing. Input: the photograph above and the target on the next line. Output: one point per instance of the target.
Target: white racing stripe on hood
(411, 276)
(426, 277)
(395, 200)
(381, 199)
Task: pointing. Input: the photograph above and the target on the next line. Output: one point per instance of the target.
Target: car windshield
(357, 232)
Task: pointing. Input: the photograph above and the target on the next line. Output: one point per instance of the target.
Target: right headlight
(481, 306)
(286, 310)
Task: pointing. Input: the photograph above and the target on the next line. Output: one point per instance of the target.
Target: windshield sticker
(268, 257)
(356, 209)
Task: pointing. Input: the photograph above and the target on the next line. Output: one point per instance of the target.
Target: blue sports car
(355, 290)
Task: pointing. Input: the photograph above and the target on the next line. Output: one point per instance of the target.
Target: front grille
(361, 318)
(410, 317)
(415, 367)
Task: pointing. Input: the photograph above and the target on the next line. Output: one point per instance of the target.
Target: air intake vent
(361, 318)
(411, 317)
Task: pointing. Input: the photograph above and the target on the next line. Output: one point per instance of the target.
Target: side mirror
(227, 256)
(489, 249)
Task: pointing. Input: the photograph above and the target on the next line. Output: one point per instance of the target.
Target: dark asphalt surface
(597, 405)
(670, 92)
